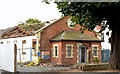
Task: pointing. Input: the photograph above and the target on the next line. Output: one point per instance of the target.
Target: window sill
(95, 56)
(55, 56)
(69, 57)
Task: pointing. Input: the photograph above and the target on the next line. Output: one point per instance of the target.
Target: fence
(26, 54)
(105, 55)
(63, 58)
(7, 57)
(49, 57)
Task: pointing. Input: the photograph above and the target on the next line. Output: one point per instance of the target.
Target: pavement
(40, 69)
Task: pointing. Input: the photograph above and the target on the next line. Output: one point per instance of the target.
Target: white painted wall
(7, 57)
(105, 44)
(26, 47)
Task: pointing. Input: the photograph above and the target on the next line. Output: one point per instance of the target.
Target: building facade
(68, 45)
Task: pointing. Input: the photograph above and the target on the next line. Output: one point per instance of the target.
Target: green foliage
(21, 23)
(32, 21)
(96, 60)
(90, 14)
(31, 24)
(29, 21)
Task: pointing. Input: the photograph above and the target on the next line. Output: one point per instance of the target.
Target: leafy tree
(32, 21)
(90, 14)
(29, 21)
(21, 23)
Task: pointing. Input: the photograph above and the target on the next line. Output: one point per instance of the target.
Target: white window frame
(54, 45)
(71, 51)
(93, 50)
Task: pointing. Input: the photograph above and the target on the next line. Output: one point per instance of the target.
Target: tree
(32, 21)
(92, 14)
(21, 23)
(29, 21)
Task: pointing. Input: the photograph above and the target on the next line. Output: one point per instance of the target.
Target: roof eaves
(79, 40)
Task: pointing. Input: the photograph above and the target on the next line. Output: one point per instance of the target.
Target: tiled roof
(31, 28)
(74, 35)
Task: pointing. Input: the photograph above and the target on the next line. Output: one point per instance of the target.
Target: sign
(38, 54)
(45, 55)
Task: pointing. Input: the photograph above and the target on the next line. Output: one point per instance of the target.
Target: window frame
(70, 22)
(67, 50)
(94, 49)
(54, 51)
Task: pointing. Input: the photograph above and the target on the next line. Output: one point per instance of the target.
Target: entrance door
(82, 54)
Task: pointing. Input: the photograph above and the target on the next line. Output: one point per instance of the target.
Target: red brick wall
(57, 60)
(69, 60)
(90, 48)
(55, 29)
(62, 48)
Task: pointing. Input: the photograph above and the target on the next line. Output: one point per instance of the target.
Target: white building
(105, 35)
(27, 43)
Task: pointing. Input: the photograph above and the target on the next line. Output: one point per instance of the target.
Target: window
(70, 23)
(34, 43)
(24, 41)
(8, 42)
(15, 41)
(95, 50)
(69, 50)
(55, 50)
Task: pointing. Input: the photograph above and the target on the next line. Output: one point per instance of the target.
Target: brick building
(69, 46)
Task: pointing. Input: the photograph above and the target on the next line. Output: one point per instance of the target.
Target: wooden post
(22, 47)
(15, 56)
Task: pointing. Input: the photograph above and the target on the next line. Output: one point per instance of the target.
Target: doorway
(82, 50)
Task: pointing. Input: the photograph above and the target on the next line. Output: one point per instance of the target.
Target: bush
(96, 60)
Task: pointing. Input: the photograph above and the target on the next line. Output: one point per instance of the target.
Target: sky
(14, 11)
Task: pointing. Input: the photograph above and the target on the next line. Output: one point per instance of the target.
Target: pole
(52, 59)
(15, 55)
(30, 54)
(20, 56)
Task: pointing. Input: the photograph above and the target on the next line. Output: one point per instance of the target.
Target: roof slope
(31, 28)
(74, 35)
(49, 24)
(14, 32)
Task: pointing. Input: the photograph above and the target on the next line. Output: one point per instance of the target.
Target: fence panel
(105, 55)
(7, 57)
(26, 54)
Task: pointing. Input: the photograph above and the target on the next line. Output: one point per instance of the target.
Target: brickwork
(53, 30)
(56, 28)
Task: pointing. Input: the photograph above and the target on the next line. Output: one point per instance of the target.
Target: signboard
(38, 54)
(45, 55)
